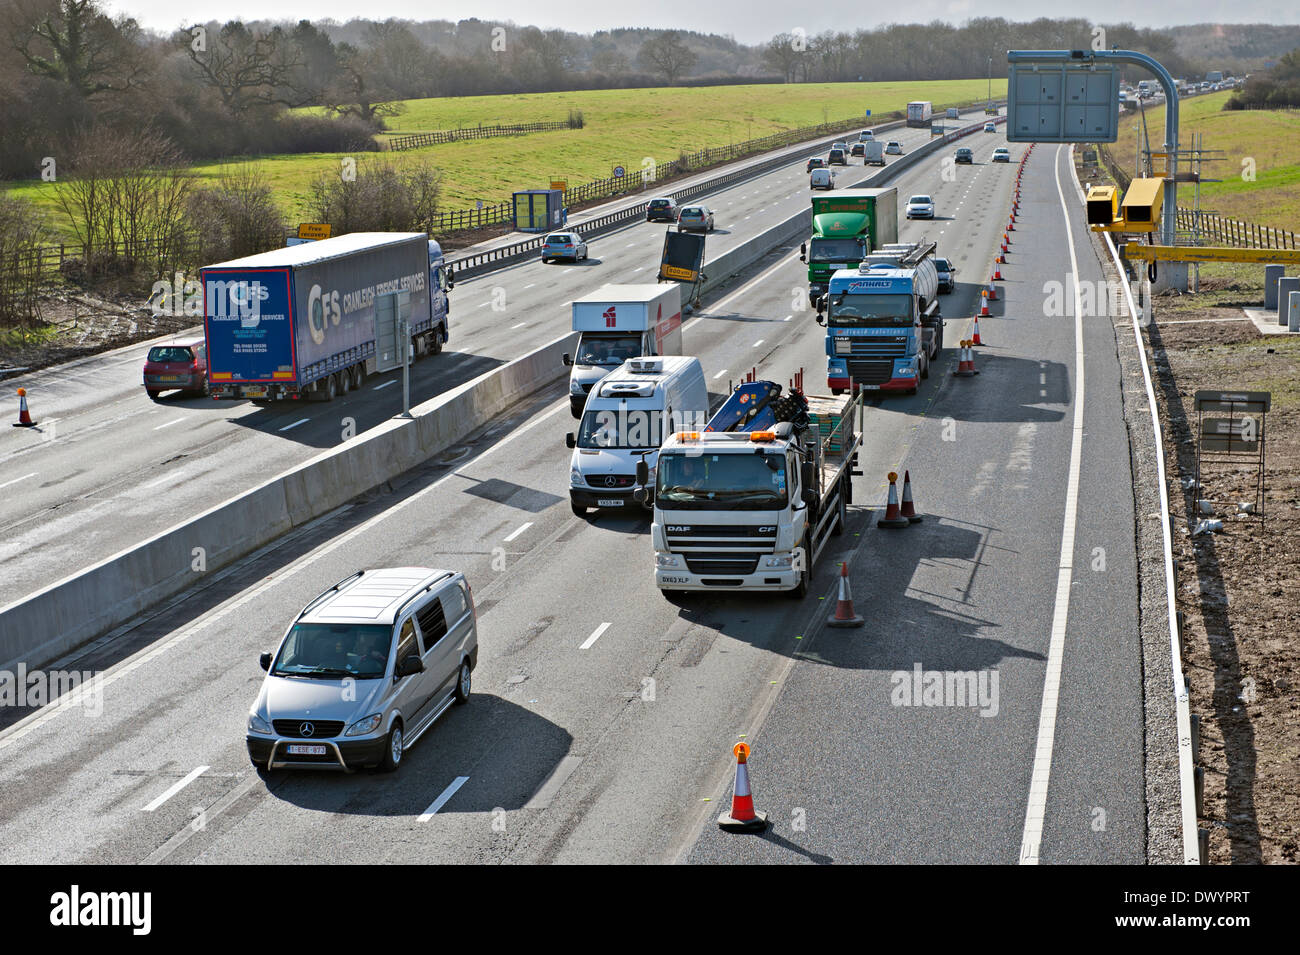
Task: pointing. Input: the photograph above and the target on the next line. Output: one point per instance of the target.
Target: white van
(821, 179)
(626, 418)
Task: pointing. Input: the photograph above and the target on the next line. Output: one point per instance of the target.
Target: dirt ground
(79, 323)
(1237, 589)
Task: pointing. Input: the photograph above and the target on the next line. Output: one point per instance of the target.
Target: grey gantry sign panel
(1062, 102)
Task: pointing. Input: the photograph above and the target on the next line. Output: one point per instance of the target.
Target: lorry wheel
(329, 387)
(345, 381)
(801, 589)
(437, 342)
(358, 376)
(925, 369)
(837, 392)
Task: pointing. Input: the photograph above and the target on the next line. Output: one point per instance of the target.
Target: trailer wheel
(328, 387)
(345, 381)
(437, 341)
(358, 376)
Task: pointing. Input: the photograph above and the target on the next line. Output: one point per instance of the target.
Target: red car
(183, 365)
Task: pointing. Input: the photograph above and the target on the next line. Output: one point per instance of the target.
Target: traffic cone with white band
(908, 509)
(975, 340)
(844, 615)
(743, 817)
(24, 416)
(893, 517)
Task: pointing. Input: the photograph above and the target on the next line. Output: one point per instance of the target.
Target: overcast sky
(749, 21)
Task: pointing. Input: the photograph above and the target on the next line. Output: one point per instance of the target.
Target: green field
(1268, 138)
(622, 128)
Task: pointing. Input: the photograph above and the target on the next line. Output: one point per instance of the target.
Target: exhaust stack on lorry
(300, 322)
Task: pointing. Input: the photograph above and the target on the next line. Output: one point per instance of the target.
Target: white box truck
(618, 322)
(919, 113)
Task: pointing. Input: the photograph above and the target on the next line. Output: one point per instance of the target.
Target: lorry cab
(440, 277)
(625, 420)
(618, 322)
(883, 323)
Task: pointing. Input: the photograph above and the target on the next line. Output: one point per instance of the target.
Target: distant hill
(1240, 47)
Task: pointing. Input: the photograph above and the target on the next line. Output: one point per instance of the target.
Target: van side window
(406, 641)
(453, 603)
(432, 622)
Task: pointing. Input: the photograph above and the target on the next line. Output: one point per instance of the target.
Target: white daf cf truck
(749, 502)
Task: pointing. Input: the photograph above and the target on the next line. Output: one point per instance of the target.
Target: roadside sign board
(683, 256)
(1050, 101)
(1246, 401)
(1230, 432)
(314, 230)
(560, 184)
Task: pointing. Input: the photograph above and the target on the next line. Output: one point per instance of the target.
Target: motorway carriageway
(603, 715)
(108, 468)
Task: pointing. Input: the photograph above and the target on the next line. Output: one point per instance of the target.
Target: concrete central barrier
(53, 621)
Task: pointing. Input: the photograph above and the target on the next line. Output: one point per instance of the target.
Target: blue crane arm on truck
(300, 322)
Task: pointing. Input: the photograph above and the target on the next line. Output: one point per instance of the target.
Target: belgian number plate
(255, 392)
(609, 502)
(297, 749)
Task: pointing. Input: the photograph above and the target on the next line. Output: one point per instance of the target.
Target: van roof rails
(325, 593)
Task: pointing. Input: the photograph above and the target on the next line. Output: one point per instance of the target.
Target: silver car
(365, 670)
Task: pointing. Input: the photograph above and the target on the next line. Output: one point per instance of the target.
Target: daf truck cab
(624, 423)
(618, 322)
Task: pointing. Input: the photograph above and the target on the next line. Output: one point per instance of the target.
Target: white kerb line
(169, 424)
(1032, 837)
(587, 644)
(518, 531)
(442, 800)
(175, 788)
(23, 478)
(290, 427)
(386, 384)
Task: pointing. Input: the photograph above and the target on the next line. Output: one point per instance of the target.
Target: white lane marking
(551, 785)
(107, 678)
(567, 271)
(757, 343)
(787, 318)
(520, 325)
(518, 531)
(638, 268)
(169, 424)
(1032, 838)
(442, 800)
(587, 644)
(290, 427)
(718, 375)
(174, 789)
(1042, 378)
(384, 385)
(530, 285)
(161, 480)
(630, 244)
(23, 478)
(481, 305)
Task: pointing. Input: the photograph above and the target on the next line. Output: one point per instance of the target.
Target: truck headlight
(907, 370)
(667, 560)
(575, 477)
(575, 387)
(778, 561)
(364, 726)
(258, 725)
(843, 346)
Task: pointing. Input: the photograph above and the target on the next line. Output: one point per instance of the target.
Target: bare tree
(782, 54)
(359, 89)
(248, 69)
(667, 54)
(23, 232)
(74, 43)
(236, 217)
(380, 197)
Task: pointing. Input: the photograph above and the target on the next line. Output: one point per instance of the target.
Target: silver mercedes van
(365, 670)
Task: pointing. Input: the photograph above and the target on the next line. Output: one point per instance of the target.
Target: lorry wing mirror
(567, 359)
(569, 441)
(806, 478)
(451, 280)
(803, 252)
(642, 473)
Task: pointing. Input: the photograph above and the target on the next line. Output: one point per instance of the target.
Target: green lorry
(847, 226)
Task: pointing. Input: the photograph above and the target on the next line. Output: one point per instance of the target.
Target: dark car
(947, 275)
(858, 149)
(837, 158)
(181, 366)
(816, 162)
(965, 155)
(661, 210)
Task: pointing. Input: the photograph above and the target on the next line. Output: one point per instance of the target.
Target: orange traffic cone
(24, 416)
(908, 509)
(992, 291)
(1011, 226)
(893, 518)
(997, 275)
(966, 362)
(976, 339)
(984, 306)
(1001, 260)
(844, 615)
(743, 817)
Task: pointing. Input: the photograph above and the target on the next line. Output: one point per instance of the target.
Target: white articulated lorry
(748, 503)
(619, 322)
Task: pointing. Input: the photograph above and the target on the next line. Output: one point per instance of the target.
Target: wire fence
(1211, 228)
(440, 136)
